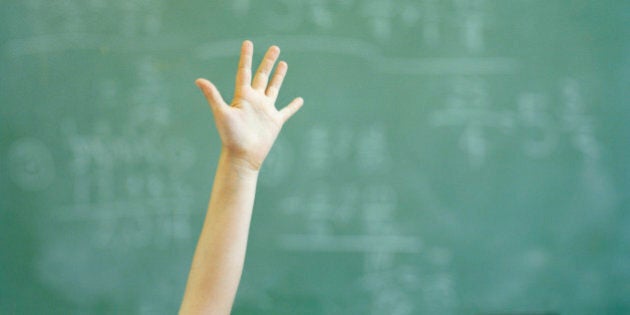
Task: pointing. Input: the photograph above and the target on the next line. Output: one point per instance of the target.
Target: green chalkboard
(452, 157)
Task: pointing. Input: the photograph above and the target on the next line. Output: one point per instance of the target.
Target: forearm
(220, 254)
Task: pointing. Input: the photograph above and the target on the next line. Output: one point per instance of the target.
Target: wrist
(238, 163)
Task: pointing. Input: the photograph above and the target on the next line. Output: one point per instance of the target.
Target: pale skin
(248, 127)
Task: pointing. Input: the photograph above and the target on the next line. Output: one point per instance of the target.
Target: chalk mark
(302, 44)
(121, 209)
(350, 243)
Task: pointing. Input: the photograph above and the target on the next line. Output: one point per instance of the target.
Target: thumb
(212, 94)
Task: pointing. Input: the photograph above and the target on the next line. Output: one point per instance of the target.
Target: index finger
(244, 72)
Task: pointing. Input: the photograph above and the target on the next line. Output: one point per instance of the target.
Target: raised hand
(249, 126)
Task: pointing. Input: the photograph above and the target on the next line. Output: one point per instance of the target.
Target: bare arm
(248, 128)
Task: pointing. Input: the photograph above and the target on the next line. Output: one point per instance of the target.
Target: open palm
(249, 126)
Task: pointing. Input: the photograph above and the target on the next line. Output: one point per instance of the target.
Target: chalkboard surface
(452, 157)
